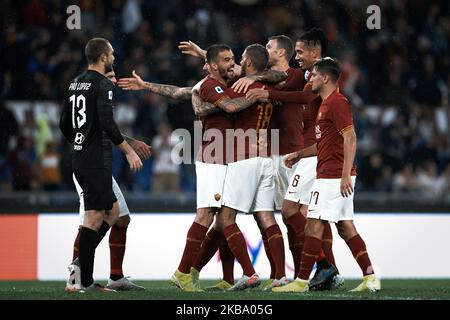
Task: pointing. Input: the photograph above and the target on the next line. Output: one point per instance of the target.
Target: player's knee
(217, 225)
(265, 221)
(310, 232)
(204, 220)
(346, 229)
(93, 220)
(314, 228)
(287, 212)
(343, 234)
(123, 221)
(304, 210)
(226, 219)
(289, 209)
(204, 217)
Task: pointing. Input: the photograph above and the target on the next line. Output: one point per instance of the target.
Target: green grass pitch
(405, 289)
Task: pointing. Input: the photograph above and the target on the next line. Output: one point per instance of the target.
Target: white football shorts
(249, 185)
(210, 182)
(302, 180)
(282, 176)
(327, 203)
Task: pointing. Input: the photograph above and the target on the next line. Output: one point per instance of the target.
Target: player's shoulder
(103, 82)
(295, 72)
(211, 83)
(339, 97)
(339, 102)
(199, 84)
(208, 80)
(79, 78)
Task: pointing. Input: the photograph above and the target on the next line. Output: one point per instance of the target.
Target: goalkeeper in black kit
(86, 114)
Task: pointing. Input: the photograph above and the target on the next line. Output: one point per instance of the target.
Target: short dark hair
(258, 55)
(213, 51)
(284, 42)
(329, 66)
(95, 48)
(315, 37)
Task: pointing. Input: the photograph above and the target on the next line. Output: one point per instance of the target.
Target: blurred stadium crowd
(397, 79)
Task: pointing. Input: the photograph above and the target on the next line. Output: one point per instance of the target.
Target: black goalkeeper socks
(102, 232)
(88, 242)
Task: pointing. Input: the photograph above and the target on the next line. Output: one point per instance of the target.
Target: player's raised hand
(259, 94)
(142, 149)
(291, 159)
(191, 48)
(134, 83)
(346, 186)
(134, 161)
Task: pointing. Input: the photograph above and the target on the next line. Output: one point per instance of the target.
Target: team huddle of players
(314, 165)
(309, 175)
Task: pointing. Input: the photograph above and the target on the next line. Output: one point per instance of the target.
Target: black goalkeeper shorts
(96, 188)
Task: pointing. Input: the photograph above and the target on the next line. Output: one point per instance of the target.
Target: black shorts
(97, 188)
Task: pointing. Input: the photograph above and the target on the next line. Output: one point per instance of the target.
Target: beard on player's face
(109, 63)
(225, 73)
(272, 61)
(244, 69)
(108, 68)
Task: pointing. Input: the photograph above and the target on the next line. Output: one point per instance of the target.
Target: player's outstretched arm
(143, 150)
(191, 48)
(136, 83)
(268, 76)
(202, 108)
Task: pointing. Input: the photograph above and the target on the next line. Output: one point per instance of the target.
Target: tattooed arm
(170, 91)
(236, 104)
(136, 83)
(268, 76)
(202, 108)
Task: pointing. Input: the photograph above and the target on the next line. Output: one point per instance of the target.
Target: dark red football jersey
(333, 119)
(213, 91)
(308, 102)
(310, 114)
(289, 117)
(257, 119)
